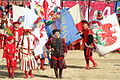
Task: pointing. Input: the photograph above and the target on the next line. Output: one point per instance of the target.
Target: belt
(27, 53)
(10, 54)
(27, 49)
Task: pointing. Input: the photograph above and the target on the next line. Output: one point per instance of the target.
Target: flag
(30, 18)
(117, 7)
(17, 12)
(50, 26)
(41, 34)
(76, 14)
(32, 4)
(106, 8)
(107, 36)
(68, 27)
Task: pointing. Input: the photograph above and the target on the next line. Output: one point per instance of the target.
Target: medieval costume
(26, 45)
(88, 44)
(9, 54)
(17, 32)
(4, 22)
(58, 49)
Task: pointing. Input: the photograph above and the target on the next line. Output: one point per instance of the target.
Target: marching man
(57, 46)
(17, 32)
(10, 55)
(27, 43)
(87, 36)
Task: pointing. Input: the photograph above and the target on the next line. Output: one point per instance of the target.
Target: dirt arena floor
(108, 68)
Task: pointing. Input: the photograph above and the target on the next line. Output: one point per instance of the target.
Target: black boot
(56, 72)
(60, 73)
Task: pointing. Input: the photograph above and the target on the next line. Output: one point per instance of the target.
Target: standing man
(10, 55)
(5, 21)
(27, 43)
(87, 37)
(58, 50)
(17, 32)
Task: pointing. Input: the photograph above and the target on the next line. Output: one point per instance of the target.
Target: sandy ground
(108, 69)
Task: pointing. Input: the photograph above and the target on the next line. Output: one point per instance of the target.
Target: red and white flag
(41, 34)
(107, 36)
(77, 16)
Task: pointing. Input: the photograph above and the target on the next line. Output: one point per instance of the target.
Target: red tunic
(85, 34)
(87, 40)
(9, 54)
(17, 33)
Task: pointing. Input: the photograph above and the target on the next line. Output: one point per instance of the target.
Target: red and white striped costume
(28, 61)
(17, 33)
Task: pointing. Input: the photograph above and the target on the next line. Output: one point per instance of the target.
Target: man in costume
(27, 43)
(2, 35)
(58, 50)
(87, 37)
(17, 32)
(5, 21)
(10, 55)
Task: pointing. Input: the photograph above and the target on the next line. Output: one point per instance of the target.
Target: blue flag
(54, 25)
(117, 7)
(68, 27)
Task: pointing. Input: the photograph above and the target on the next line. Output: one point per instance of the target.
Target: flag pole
(88, 9)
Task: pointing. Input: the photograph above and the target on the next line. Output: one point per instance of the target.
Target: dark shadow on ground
(73, 66)
(43, 76)
(117, 65)
(4, 74)
(80, 67)
(3, 67)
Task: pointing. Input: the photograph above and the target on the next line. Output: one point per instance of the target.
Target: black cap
(56, 30)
